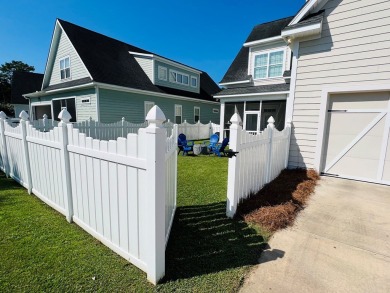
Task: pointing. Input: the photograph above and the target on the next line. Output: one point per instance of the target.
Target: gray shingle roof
(110, 62)
(310, 19)
(254, 89)
(24, 83)
(238, 70)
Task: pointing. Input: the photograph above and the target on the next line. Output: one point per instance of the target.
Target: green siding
(115, 104)
(83, 111)
(174, 85)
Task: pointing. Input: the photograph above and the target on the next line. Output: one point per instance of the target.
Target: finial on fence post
(64, 116)
(271, 122)
(236, 119)
(155, 117)
(23, 115)
(123, 119)
(3, 115)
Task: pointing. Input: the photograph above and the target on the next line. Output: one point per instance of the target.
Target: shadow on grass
(203, 240)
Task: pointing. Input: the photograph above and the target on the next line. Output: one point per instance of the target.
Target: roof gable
(311, 6)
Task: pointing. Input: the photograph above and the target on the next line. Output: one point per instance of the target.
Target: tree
(6, 71)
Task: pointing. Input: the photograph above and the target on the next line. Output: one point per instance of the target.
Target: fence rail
(122, 191)
(261, 158)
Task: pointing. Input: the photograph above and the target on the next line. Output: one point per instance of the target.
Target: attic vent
(86, 101)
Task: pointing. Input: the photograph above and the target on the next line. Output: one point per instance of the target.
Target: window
(65, 68)
(148, 105)
(86, 101)
(178, 114)
(196, 114)
(268, 65)
(215, 110)
(162, 73)
(178, 77)
(68, 104)
(194, 81)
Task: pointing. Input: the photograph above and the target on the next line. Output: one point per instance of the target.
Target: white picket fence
(107, 131)
(123, 191)
(261, 158)
(195, 131)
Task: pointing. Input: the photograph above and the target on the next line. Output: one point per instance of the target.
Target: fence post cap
(44, 116)
(64, 116)
(155, 117)
(123, 118)
(2, 115)
(236, 119)
(271, 122)
(23, 115)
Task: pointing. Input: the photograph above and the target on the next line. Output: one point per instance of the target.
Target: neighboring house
(95, 76)
(338, 99)
(22, 83)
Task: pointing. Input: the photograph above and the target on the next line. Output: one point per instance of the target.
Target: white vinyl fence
(261, 158)
(123, 191)
(195, 131)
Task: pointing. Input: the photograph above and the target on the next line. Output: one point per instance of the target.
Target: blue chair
(213, 142)
(184, 145)
(220, 148)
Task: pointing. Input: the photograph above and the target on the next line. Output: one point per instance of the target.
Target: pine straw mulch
(277, 204)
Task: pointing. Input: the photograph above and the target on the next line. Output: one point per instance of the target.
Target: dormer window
(178, 77)
(268, 65)
(65, 68)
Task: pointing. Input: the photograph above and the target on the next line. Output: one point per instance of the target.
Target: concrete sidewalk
(340, 243)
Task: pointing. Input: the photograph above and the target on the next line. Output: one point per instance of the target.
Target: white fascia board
(252, 95)
(266, 97)
(149, 93)
(310, 6)
(51, 53)
(263, 41)
(167, 61)
(45, 93)
(235, 82)
(305, 31)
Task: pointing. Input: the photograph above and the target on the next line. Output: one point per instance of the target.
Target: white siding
(77, 68)
(86, 110)
(147, 66)
(281, 45)
(353, 49)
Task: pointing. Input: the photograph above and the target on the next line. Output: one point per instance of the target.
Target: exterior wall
(269, 47)
(147, 65)
(172, 84)
(77, 68)
(116, 104)
(352, 51)
(19, 108)
(83, 111)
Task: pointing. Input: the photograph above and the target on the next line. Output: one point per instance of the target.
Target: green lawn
(207, 252)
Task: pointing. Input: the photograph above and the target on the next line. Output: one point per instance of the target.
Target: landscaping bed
(277, 204)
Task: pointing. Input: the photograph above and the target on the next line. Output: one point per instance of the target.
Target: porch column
(222, 122)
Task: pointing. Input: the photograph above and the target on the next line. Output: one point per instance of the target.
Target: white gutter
(304, 31)
(164, 60)
(235, 82)
(263, 41)
(45, 93)
(252, 94)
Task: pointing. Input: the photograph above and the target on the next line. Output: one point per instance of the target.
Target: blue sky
(204, 34)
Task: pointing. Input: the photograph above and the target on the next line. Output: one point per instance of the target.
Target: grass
(206, 252)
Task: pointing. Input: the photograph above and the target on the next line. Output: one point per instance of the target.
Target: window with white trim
(65, 67)
(178, 114)
(196, 114)
(147, 106)
(267, 65)
(194, 81)
(178, 77)
(162, 73)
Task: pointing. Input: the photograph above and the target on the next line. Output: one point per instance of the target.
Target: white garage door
(357, 137)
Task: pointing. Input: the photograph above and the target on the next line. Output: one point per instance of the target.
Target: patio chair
(219, 149)
(184, 145)
(213, 142)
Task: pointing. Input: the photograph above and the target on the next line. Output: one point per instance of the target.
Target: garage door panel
(372, 100)
(361, 168)
(354, 136)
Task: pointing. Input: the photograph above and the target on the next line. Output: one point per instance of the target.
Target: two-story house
(326, 70)
(96, 76)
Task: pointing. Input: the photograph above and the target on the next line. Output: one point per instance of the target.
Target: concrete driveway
(340, 243)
